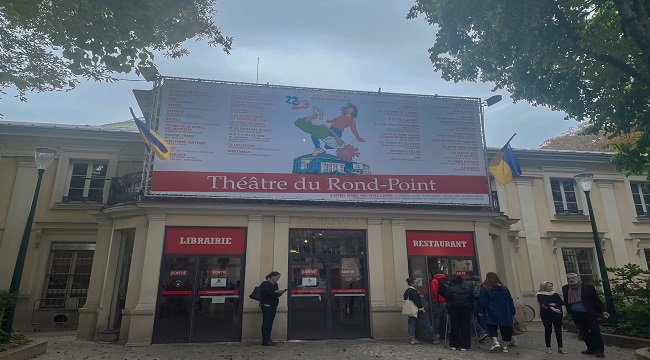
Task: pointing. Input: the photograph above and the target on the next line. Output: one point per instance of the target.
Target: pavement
(64, 346)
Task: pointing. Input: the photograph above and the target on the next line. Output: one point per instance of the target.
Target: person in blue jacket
(495, 303)
(413, 294)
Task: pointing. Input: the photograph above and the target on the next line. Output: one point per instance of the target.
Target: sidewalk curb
(24, 352)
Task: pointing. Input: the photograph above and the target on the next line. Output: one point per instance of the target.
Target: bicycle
(529, 313)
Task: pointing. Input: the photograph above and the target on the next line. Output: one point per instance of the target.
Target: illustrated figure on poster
(330, 136)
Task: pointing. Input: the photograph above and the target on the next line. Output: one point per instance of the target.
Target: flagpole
(509, 140)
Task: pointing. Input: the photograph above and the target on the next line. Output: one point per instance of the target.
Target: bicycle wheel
(529, 313)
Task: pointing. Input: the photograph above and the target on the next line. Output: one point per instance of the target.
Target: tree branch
(637, 24)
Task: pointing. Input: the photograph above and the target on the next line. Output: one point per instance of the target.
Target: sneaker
(505, 349)
(495, 346)
(549, 351)
(413, 341)
(561, 351)
(453, 348)
(482, 337)
(435, 341)
(600, 355)
(462, 349)
(514, 344)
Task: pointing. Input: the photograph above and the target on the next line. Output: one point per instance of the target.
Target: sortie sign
(433, 243)
(205, 240)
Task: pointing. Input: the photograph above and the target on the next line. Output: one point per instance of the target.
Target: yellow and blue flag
(504, 166)
(159, 146)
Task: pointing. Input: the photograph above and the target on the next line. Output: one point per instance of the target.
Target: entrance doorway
(431, 253)
(328, 285)
(200, 298)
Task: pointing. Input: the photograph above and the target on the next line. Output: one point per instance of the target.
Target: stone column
(251, 314)
(400, 257)
(142, 316)
(376, 264)
(531, 227)
(87, 327)
(281, 264)
(613, 222)
(484, 247)
(508, 257)
(135, 275)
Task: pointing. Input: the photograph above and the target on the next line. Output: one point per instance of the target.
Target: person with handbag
(550, 310)
(413, 295)
(270, 298)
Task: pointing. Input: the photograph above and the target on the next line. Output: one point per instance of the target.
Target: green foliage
(588, 58)
(16, 339)
(631, 290)
(6, 300)
(49, 45)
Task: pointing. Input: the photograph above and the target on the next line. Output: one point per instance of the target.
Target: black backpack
(443, 286)
(460, 295)
(255, 295)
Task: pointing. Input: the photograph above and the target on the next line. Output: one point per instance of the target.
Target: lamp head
(44, 158)
(493, 100)
(584, 181)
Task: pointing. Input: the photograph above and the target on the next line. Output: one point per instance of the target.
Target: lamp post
(585, 181)
(43, 158)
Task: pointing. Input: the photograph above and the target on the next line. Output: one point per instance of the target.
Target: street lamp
(43, 158)
(584, 182)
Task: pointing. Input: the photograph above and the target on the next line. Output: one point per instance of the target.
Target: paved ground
(63, 346)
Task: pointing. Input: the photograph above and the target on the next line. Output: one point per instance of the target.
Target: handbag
(409, 308)
(255, 295)
(517, 329)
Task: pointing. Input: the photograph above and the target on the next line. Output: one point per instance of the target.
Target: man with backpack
(438, 288)
(474, 281)
(460, 300)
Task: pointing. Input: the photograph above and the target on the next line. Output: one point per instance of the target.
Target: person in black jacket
(460, 301)
(270, 295)
(413, 294)
(584, 305)
(550, 310)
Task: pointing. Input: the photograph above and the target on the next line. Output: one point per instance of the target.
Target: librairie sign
(433, 243)
(274, 142)
(205, 240)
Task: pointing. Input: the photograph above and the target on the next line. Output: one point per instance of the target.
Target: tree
(588, 58)
(50, 45)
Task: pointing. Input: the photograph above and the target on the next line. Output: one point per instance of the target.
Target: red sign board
(178, 273)
(205, 240)
(349, 272)
(432, 243)
(219, 272)
(308, 272)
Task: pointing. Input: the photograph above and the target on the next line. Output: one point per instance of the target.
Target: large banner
(270, 142)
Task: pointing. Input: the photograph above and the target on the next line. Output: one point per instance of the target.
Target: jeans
(589, 330)
(479, 321)
(439, 318)
(551, 322)
(423, 319)
(268, 315)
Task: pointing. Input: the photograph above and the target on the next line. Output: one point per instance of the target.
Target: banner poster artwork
(274, 142)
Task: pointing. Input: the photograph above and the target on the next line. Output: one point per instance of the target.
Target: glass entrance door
(328, 297)
(200, 300)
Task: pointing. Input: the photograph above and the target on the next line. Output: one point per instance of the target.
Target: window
(564, 195)
(580, 261)
(87, 180)
(641, 196)
(68, 276)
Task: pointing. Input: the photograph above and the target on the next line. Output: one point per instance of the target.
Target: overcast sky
(334, 44)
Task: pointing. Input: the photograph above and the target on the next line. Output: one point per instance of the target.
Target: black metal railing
(125, 189)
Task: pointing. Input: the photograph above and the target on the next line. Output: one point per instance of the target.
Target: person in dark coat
(460, 301)
(496, 304)
(550, 310)
(413, 294)
(270, 298)
(474, 281)
(584, 305)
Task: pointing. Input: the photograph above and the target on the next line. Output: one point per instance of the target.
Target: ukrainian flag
(504, 166)
(159, 146)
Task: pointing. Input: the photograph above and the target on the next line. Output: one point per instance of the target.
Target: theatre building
(131, 248)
